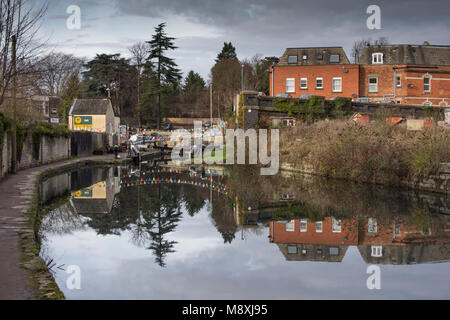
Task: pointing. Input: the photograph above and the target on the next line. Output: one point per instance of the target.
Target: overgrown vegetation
(315, 108)
(46, 129)
(368, 153)
(5, 125)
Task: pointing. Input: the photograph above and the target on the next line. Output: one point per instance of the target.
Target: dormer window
(292, 59)
(334, 58)
(377, 58)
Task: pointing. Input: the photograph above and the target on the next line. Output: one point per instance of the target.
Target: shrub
(369, 153)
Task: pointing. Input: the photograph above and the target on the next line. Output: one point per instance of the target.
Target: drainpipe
(395, 83)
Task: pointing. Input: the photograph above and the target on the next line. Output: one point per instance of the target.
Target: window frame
(372, 225)
(321, 79)
(398, 82)
(319, 223)
(291, 246)
(305, 222)
(293, 85)
(334, 223)
(296, 59)
(377, 58)
(290, 226)
(301, 83)
(332, 84)
(376, 251)
(370, 85)
(338, 58)
(428, 84)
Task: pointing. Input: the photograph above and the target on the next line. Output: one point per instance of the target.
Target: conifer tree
(167, 75)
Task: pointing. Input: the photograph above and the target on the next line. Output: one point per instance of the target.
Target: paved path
(15, 194)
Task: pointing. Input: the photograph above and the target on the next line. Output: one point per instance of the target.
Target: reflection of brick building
(400, 242)
(386, 240)
(325, 240)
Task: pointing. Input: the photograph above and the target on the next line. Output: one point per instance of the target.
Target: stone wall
(434, 183)
(50, 150)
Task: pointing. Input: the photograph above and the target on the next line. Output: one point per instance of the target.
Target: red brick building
(407, 74)
(320, 71)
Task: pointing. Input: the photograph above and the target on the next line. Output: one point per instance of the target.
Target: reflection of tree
(228, 237)
(222, 214)
(193, 200)
(160, 214)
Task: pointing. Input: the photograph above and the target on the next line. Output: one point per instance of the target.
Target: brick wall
(350, 84)
(411, 89)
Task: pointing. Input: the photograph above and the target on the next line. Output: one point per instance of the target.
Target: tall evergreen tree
(228, 52)
(193, 86)
(167, 75)
(110, 72)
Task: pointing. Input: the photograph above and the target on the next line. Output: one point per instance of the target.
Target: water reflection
(169, 213)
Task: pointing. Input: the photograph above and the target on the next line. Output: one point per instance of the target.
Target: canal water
(173, 233)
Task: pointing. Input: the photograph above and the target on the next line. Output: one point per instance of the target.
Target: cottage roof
(90, 107)
(405, 54)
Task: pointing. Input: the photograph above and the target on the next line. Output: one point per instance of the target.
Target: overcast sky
(266, 27)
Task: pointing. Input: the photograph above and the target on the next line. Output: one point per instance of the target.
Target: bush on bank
(376, 153)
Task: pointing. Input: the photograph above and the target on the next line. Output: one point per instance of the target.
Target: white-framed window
(303, 83)
(377, 251)
(373, 84)
(290, 226)
(398, 82)
(336, 225)
(396, 228)
(427, 103)
(290, 85)
(377, 58)
(319, 226)
(337, 84)
(303, 225)
(319, 83)
(372, 225)
(426, 83)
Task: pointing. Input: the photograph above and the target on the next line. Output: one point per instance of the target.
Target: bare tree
(359, 45)
(139, 52)
(55, 72)
(19, 18)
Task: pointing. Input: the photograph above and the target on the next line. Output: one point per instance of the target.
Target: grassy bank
(376, 153)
